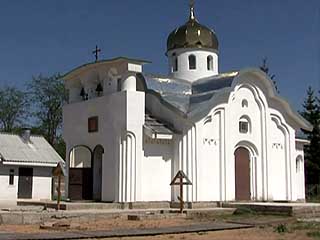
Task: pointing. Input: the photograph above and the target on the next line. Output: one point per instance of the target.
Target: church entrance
(97, 172)
(80, 174)
(242, 174)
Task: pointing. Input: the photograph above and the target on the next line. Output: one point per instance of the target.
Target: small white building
(128, 132)
(26, 164)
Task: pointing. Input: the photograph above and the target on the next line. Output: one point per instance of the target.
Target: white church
(128, 132)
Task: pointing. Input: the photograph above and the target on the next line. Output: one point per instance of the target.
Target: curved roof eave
(83, 67)
(223, 94)
(272, 93)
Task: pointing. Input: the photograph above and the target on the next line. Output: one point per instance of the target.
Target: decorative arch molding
(280, 123)
(263, 106)
(262, 80)
(246, 118)
(207, 120)
(221, 144)
(80, 145)
(249, 146)
(256, 94)
(127, 167)
(97, 147)
(254, 155)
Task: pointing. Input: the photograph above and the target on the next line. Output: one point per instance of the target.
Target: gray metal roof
(157, 126)
(184, 95)
(13, 148)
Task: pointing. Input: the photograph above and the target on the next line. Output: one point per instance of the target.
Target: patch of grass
(314, 234)
(306, 226)
(244, 211)
(281, 228)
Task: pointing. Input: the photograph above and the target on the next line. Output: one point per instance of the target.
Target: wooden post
(59, 192)
(181, 194)
(178, 180)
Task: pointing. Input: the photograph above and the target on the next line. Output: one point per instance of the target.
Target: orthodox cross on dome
(96, 52)
(191, 4)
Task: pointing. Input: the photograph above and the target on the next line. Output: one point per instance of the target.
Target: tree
(264, 67)
(48, 95)
(13, 108)
(311, 112)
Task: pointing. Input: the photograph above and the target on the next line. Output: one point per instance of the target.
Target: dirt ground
(279, 229)
(242, 234)
(110, 224)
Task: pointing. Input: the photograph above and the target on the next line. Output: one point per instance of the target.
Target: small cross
(191, 5)
(96, 52)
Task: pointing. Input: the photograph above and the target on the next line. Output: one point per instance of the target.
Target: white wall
(41, 187)
(277, 163)
(156, 170)
(120, 119)
(209, 185)
(201, 70)
(252, 140)
(42, 183)
(299, 171)
(8, 192)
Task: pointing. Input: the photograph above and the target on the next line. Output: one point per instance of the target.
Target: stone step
(301, 210)
(195, 205)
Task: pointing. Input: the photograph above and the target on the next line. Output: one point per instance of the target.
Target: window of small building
(210, 63)
(11, 177)
(244, 125)
(175, 63)
(192, 62)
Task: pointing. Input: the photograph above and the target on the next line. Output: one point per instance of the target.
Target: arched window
(192, 62)
(174, 62)
(244, 125)
(210, 63)
(244, 103)
(299, 164)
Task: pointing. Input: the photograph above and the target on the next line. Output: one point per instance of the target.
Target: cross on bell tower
(96, 52)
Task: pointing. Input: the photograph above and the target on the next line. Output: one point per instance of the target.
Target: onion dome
(192, 35)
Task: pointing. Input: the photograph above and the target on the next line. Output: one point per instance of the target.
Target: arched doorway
(242, 174)
(97, 172)
(80, 173)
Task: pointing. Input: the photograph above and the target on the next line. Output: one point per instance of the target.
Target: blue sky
(56, 36)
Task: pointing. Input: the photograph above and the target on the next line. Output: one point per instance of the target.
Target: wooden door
(25, 183)
(242, 174)
(80, 183)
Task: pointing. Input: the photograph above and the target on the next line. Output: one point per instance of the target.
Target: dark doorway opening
(97, 172)
(25, 183)
(80, 174)
(242, 174)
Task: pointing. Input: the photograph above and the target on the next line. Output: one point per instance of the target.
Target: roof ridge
(18, 135)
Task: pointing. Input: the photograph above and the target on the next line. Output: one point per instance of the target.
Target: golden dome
(192, 35)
